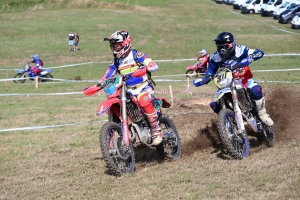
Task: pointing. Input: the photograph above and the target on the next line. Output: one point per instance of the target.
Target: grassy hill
(66, 163)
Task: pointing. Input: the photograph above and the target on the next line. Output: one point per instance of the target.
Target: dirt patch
(197, 123)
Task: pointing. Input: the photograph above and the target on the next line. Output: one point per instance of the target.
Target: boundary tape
(51, 126)
(167, 60)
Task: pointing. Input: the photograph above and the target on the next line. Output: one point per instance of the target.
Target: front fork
(125, 130)
(237, 110)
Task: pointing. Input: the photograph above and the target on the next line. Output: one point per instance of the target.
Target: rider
(205, 60)
(230, 55)
(38, 64)
(135, 65)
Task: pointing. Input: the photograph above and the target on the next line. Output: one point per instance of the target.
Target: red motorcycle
(128, 129)
(192, 73)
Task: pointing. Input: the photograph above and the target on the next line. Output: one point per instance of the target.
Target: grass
(66, 162)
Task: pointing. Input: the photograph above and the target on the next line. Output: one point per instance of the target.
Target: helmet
(34, 56)
(225, 44)
(120, 43)
(203, 52)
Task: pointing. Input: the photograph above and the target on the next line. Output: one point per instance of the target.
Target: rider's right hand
(100, 84)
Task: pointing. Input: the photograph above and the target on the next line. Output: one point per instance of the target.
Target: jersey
(241, 52)
(135, 66)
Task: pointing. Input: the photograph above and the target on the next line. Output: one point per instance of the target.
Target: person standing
(76, 41)
(71, 41)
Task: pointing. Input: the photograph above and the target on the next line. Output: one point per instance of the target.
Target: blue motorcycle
(22, 74)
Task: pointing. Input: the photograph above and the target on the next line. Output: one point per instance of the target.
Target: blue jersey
(241, 52)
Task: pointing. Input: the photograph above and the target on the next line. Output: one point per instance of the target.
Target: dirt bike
(21, 74)
(237, 109)
(194, 74)
(128, 128)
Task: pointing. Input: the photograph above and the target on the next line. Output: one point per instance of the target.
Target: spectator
(71, 41)
(76, 41)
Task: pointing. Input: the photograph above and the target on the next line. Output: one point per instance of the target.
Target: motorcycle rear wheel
(47, 78)
(189, 74)
(236, 145)
(113, 152)
(20, 75)
(170, 148)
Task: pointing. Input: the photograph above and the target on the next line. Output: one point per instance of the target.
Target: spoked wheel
(118, 156)
(190, 73)
(170, 148)
(22, 76)
(236, 144)
(46, 78)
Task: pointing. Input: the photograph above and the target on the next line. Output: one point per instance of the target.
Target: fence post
(6, 76)
(36, 82)
(188, 87)
(171, 93)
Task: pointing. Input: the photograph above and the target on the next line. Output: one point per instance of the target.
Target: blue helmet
(34, 56)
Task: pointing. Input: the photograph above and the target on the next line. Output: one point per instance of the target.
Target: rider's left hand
(201, 81)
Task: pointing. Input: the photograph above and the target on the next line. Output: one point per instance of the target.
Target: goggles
(116, 46)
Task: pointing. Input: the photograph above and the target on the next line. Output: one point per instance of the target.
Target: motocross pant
(145, 100)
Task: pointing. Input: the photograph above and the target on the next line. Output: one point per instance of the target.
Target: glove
(100, 84)
(231, 64)
(201, 81)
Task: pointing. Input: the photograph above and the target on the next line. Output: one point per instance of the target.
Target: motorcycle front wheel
(237, 145)
(170, 148)
(118, 157)
(20, 75)
(189, 73)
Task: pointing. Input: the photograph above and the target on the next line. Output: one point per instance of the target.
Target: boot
(155, 128)
(262, 112)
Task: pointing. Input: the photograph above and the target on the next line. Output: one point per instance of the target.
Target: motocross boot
(262, 112)
(155, 128)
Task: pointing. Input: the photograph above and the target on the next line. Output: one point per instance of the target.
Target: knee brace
(255, 92)
(146, 102)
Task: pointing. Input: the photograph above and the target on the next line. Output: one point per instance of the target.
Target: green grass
(66, 163)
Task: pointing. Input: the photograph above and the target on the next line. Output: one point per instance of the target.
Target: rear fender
(104, 107)
(165, 103)
(44, 72)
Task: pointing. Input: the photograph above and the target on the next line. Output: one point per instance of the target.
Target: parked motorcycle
(194, 74)
(128, 128)
(21, 74)
(237, 108)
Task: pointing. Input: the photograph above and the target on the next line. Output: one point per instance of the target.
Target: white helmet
(120, 43)
(203, 52)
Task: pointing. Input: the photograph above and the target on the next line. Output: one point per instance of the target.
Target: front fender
(104, 106)
(218, 95)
